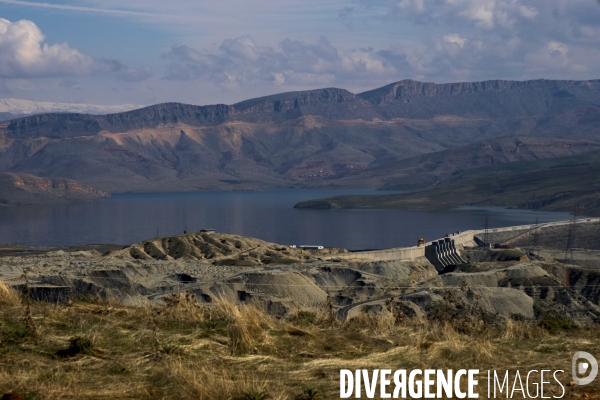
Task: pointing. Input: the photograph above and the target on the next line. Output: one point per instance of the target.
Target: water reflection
(268, 215)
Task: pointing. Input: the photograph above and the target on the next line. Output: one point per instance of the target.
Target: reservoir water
(268, 215)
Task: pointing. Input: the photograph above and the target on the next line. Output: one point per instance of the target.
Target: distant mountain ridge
(24, 107)
(489, 98)
(405, 89)
(403, 99)
(287, 106)
(305, 138)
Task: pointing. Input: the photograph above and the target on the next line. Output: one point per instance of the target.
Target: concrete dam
(447, 250)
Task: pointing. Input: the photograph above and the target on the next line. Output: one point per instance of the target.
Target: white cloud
(242, 61)
(485, 14)
(23, 54)
(456, 39)
(481, 12)
(528, 12)
(560, 48)
(563, 59)
(501, 39)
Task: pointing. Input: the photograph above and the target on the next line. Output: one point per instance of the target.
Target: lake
(268, 215)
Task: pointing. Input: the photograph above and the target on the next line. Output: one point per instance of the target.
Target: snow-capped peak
(26, 107)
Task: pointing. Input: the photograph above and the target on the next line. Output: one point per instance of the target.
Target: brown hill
(290, 138)
(435, 168)
(220, 249)
(554, 184)
(18, 189)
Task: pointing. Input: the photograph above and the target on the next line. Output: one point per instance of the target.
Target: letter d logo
(583, 367)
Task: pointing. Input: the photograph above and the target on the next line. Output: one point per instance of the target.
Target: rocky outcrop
(328, 103)
(17, 189)
(78, 125)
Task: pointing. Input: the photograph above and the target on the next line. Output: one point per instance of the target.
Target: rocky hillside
(556, 184)
(17, 189)
(295, 138)
(436, 168)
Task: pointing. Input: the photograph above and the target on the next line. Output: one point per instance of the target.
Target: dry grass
(8, 297)
(247, 326)
(185, 351)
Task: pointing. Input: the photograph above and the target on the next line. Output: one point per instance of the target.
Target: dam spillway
(443, 253)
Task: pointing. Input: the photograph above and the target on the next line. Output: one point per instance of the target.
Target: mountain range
(405, 135)
(15, 108)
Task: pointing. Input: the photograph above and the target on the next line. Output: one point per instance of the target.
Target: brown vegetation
(184, 350)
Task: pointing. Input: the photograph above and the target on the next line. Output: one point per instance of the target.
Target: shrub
(306, 318)
(13, 332)
(555, 323)
(77, 345)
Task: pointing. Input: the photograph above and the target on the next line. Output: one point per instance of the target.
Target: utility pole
(486, 234)
(486, 240)
(536, 237)
(572, 241)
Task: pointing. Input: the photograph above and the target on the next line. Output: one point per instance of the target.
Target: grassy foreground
(90, 350)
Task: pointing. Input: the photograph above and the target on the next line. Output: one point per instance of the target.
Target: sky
(207, 52)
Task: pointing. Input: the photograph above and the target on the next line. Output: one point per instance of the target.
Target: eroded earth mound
(221, 249)
(283, 280)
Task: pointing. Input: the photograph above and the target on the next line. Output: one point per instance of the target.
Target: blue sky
(199, 52)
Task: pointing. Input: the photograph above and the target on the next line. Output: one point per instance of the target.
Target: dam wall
(460, 240)
(463, 239)
(399, 253)
(546, 224)
(513, 234)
